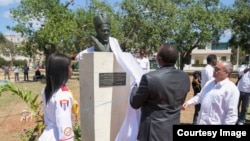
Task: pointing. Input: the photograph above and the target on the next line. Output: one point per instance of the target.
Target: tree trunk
(49, 49)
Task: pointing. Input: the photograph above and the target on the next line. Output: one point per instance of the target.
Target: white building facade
(199, 55)
(18, 40)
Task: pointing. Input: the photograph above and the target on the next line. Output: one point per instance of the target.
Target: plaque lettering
(112, 79)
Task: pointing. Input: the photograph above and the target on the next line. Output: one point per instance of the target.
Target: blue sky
(6, 5)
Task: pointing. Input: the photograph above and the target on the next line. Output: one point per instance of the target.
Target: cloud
(228, 32)
(8, 2)
(226, 35)
(6, 14)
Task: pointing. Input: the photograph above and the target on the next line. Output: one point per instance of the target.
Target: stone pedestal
(102, 108)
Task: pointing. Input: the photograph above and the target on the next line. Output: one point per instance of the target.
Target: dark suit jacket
(160, 96)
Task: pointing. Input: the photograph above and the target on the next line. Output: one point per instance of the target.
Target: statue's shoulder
(94, 39)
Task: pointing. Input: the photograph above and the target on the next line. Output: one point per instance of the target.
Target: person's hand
(184, 106)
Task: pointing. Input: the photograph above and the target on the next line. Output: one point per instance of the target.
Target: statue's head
(102, 26)
(101, 19)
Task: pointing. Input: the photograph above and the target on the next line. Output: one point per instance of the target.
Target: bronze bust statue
(102, 28)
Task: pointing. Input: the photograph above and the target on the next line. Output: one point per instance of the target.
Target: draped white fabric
(130, 125)
(126, 61)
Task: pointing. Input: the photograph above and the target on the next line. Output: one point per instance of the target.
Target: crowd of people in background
(16, 70)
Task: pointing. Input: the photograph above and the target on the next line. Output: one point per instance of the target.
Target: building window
(219, 46)
(197, 62)
(223, 58)
(201, 47)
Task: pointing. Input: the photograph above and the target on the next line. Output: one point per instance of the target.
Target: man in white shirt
(218, 98)
(244, 88)
(206, 75)
(143, 61)
(207, 72)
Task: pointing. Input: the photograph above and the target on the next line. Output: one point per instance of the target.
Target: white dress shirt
(206, 74)
(144, 63)
(219, 103)
(244, 83)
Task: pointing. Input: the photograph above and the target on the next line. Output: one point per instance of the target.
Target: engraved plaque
(112, 79)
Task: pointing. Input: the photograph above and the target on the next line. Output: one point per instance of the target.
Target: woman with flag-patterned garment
(58, 100)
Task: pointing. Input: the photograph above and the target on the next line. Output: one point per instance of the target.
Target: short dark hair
(196, 74)
(210, 58)
(168, 53)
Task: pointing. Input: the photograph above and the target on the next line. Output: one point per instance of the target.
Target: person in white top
(57, 100)
(207, 72)
(206, 75)
(143, 61)
(16, 72)
(244, 88)
(218, 98)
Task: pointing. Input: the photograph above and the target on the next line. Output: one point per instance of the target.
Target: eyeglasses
(216, 69)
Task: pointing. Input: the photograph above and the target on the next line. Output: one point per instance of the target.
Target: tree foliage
(58, 28)
(46, 23)
(137, 24)
(189, 23)
(240, 17)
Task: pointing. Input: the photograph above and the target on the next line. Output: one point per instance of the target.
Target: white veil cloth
(129, 128)
(130, 125)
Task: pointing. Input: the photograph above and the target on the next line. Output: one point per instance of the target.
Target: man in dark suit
(160, 96)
